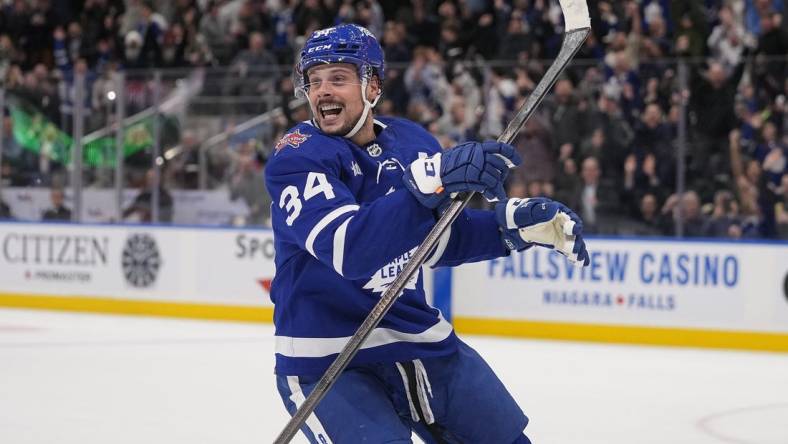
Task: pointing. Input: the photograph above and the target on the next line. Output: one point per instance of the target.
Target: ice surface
(83, 379)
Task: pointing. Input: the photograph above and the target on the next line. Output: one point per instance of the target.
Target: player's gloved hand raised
(471, 166)
(545, 222)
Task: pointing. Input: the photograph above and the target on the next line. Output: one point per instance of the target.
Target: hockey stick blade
(577, 29)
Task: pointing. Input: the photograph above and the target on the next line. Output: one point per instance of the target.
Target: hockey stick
(577, 28)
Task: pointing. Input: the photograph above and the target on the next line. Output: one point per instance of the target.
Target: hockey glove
(471, 166)
(544, 222)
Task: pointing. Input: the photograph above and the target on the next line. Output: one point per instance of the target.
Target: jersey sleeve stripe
(327, 219)
(339, 246)
(440, 249)
(294, 347)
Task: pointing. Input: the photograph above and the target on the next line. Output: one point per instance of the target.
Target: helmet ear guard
(300, 80)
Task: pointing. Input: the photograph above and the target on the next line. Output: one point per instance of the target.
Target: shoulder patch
(294, 139)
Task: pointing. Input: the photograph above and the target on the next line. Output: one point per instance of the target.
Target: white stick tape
(575, 14)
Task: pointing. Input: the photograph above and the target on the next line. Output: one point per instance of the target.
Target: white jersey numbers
(292, 204)
(316, 183)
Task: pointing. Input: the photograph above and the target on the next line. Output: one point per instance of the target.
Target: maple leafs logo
(384, 277)
(294, 139)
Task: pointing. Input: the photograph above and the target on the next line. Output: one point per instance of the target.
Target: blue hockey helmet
(341, 44)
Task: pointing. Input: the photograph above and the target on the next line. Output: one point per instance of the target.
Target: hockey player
(353, 197)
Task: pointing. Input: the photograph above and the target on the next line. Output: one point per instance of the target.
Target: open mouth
(330, 111)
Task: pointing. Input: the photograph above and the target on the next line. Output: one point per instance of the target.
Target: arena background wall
(640, 291)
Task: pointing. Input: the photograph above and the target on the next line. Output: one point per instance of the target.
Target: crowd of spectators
(605, 141)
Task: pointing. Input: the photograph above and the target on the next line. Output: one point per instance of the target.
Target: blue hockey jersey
(344, 227)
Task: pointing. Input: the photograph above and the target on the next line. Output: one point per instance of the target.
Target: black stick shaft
(572, 42)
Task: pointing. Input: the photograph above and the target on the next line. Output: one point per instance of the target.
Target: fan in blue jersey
(353, 197)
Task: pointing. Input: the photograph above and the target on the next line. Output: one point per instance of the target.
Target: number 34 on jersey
(290, 200)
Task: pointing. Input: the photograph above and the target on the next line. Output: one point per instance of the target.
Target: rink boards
(646, 291)
(168, 271)
(653, 291)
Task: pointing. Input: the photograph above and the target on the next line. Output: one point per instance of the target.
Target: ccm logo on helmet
(318, 48)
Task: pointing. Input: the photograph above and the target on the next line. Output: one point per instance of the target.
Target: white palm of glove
(556, 233)
(544, 222)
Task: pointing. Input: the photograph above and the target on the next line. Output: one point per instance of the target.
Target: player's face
(335, 95)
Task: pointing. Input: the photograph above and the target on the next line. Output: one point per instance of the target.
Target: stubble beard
(344, 129)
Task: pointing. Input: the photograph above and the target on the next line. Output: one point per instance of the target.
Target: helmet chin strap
(367, 106)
